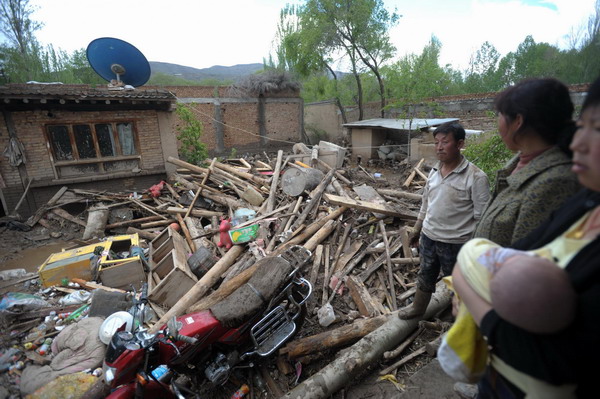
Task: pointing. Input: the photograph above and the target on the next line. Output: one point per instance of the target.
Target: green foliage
(489, 153)
(192, 149)
(414, 78)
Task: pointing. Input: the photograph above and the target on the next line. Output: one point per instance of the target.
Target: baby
(527, 289)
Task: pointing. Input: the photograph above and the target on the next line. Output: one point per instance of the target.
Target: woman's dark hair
(454, 128)
(593, 95)
(545, 106)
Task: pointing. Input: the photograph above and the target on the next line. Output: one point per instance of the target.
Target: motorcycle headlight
(109, 373)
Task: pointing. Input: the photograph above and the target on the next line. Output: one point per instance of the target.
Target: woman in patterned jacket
(534, 120)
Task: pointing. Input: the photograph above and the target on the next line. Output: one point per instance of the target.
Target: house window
(83, 149)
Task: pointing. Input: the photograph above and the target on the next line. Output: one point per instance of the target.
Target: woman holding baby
(545, 358)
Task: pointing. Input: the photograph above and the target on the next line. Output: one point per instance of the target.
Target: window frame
(99, 159)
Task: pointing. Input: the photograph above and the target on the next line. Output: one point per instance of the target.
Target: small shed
(370, 135)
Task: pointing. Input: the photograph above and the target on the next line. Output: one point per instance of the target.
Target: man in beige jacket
(454, 197)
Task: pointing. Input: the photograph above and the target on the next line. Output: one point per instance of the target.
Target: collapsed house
(83, 137)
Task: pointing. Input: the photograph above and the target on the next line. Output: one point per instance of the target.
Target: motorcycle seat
(270, 276)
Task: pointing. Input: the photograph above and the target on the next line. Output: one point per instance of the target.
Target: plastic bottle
(240, 393)
(45, 348)
(79, 311)
(29, 346)
(37, 332)
(160, 371)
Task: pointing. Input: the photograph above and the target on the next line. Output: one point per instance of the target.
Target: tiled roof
(82, 92)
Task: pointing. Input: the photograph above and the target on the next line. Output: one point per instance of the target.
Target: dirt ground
(29, 249)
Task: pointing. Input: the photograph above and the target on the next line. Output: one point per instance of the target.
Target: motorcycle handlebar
(186, 339)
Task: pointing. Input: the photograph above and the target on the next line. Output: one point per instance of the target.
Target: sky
(203, 33)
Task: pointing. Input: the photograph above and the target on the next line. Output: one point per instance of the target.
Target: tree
(358, 29)
(304, 45)
(16, 25)
(416, 77)
(22, 49)
(367, 30)
(483, 73)
(190, 132)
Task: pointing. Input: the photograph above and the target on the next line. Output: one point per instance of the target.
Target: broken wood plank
(400, 194)
(320, 235)
(133, 221)
(146, 207)
(90, 285)
(274, 186)
(348, 255)
(423, 175)
(248, 176)
(412, 174)
(195, 212)
(316, 195)
(186, 232)
(309, 231)
(148, 235)
(157, 223)
(67, 216)
(40, 212)
(347, 229)
(191, 206)
(369, 206)
(361, 297)
(22, 197)
(218, 197)
(389, 265)
(378, 262)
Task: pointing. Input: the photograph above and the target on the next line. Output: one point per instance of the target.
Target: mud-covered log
(333, 338)
(201, 287)
(348, 365)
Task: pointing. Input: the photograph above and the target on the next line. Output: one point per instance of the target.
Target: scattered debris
(196, 238)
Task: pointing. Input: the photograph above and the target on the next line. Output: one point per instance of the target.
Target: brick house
(102, 139)
(82, 137)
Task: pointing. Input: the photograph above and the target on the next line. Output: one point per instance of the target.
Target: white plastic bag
(75, 298)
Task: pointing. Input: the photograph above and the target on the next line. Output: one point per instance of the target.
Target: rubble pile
(194, 239)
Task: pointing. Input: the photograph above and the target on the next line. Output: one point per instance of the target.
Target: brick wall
(240, 117)
(29, 127)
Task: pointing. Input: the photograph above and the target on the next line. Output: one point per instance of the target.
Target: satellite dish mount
(118, 70)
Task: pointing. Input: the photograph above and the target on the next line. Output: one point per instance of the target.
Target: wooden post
(200, 189)
(22, 197)
(186, 232)
(273, 192)
(389, 265)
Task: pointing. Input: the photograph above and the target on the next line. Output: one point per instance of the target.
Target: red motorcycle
(253, 322)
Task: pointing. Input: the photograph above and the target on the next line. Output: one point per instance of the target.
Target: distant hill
(215, 72)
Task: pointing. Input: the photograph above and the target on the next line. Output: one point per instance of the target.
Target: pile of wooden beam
(362, 265)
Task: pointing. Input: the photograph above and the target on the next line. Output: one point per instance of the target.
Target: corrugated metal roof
(399, 124)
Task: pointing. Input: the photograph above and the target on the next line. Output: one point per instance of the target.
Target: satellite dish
(115, 59)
